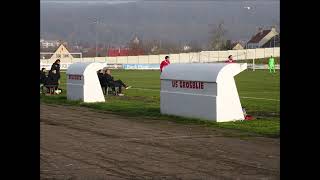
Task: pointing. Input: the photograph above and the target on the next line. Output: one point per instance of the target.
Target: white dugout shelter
(83, 83)
(205, 91)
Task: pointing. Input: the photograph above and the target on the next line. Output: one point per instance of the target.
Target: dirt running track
(79, 143)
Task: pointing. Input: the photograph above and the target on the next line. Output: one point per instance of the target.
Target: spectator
(43, 76)
(52, 81)
(164, 63)
(56, 66)
(230, 59)
(113, 84)
(100, 76)
(102, 80)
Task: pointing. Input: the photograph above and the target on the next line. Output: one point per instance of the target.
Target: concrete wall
(199, 57)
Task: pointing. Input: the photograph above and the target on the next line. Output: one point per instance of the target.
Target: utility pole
(96, 22)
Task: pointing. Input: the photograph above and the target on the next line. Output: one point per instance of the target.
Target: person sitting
(113, 84)
(103, 81)
(100, 76)
(52, 82)
(43, 78)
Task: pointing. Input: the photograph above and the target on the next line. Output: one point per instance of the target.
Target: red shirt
(230, 61)
(163, 64)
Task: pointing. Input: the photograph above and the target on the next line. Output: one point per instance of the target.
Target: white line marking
(240, 97)
(146, 89)
(260, 98)
(262, 92)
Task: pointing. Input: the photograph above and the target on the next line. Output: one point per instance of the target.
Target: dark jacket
(43, 77)
(102, 79)
(56, 66)
(99, 76)
(52, 79)
(109, 78)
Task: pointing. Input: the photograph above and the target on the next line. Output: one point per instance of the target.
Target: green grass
(146, 103)
(260, 61)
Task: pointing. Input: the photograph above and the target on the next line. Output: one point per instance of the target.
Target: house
(261, 38)
(154, 48)
(113, 52)
(48, 43)
(186, 47)
(61, 52)
(273, 42)
(136, 40)
(236, 46)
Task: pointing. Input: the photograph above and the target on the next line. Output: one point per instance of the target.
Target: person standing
(56, 66)
(164, 63)
(271, 65)
(230, 59)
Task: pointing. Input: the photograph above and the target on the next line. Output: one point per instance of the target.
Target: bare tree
(218, 33)
(135, 43)
(195, 46)
(228, 45)
(168, 47)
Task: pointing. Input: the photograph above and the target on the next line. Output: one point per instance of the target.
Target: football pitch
(259, 93)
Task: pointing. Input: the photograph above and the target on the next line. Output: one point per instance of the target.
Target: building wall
(267, 38)
(47, 44)
(237, 47)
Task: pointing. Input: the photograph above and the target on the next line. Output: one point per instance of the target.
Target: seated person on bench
(52, 81)
(43, 78)
(100, 75)
(113, 84)
(103, 81)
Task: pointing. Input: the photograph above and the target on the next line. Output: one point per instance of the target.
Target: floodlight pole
(96, 21)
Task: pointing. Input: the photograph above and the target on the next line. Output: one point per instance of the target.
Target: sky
(177, 21)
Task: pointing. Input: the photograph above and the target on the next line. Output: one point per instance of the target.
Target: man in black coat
(113, 84)
(56, 66)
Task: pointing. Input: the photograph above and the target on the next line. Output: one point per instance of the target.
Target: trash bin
(83, 83)
(205, 91)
